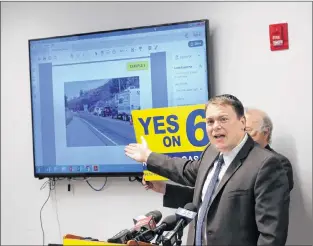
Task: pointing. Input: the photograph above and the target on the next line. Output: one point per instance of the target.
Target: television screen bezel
(104, 174)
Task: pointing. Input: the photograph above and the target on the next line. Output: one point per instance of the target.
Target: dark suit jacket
(174, 199)
(286, 165)
(251, 203)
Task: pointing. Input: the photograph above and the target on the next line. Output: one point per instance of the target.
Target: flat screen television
(84, 87)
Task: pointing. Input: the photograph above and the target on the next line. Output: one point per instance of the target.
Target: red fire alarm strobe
(279, 36)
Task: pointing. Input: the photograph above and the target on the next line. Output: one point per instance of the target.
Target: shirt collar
(230, 156)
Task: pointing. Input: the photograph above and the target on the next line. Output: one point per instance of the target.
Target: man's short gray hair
(265, 125)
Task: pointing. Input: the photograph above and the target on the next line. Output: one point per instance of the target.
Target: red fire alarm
(279, 36)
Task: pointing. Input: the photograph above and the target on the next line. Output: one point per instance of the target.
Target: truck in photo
(128, 100)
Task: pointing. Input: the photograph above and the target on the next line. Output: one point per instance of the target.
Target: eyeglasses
(251, 131)
(248, 129)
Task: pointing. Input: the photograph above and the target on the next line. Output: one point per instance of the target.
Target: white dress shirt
(228, 158)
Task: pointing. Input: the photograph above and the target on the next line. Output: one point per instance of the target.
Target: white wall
(278, 82)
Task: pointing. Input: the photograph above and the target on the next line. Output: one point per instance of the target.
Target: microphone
(142, 223)
(148, 222)
(157, 216)
(184, 217)
(121, 237)
(167, 224)
(140, 217)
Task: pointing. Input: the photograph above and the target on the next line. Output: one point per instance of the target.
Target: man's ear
(243, 122)
(266, 132)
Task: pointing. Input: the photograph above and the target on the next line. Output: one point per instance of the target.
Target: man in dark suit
(241, 189)
(260, 128)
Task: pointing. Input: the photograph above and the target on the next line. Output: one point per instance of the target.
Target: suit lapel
(236, 163)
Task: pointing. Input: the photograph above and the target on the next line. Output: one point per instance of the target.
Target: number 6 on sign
(173, 129)
(192, 127)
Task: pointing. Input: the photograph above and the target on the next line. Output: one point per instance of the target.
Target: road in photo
(98, 113)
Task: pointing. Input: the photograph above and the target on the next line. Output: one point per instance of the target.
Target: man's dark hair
(227, 99)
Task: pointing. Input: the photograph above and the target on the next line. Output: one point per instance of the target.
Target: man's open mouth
(219, 136)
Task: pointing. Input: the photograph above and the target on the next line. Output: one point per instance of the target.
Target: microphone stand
(159, 239)
(179, 237)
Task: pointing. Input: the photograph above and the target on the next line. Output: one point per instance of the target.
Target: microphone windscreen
(157, 216)
(191, 207)
(170, 222)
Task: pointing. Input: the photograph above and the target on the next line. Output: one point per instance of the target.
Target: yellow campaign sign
(171, 130)
(150, 176)
(76, 242)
